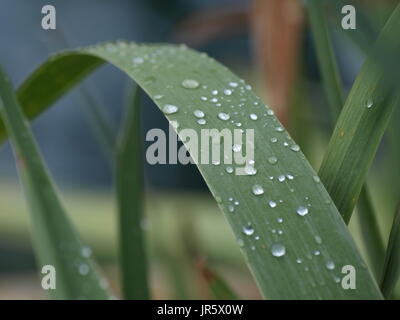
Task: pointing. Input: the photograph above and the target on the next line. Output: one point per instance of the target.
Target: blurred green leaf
(216, 285)
(55, 240)
(392, 262)
(360, 127)
(292, 235)
(129, 182)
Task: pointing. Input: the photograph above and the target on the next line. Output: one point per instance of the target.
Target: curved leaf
(316, 244)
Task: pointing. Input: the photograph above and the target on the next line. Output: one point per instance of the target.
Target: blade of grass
(334, 91)
(129, 183)
(360, 128)
(55, 240)
(216, 285)
(392, 261)
(160, 71)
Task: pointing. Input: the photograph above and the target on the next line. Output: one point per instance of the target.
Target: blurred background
(266, 42)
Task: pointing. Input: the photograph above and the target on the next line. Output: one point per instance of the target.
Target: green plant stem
(129, 182)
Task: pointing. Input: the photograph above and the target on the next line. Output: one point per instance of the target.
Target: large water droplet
(190, 84)
(302, 211)
(278, 250)
(170, 109)
(257, 190)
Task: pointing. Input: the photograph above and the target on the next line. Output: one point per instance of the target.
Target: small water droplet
(240, 243)
(198, 114)
(248, 230)
(170, 109)
(229, 169)
(278, 250)
(138, 60)
(330, 265)
(203, 98)
(233, 84)
(236, 148)
(280, 220)
(231, 208)
(190, 84)
(318, 239)
(257, 190)
(281, 178)
(158, 97)
(86, 252)
(316, 179)
(369, 104)
(272, 204)
(228, 92)
(270, 112)
(174, 124)
(253, 116)
(201, 121)
(295, 148)
(214, 92)
(250, 170)
(302, 211)
(273, 139)
(298, 260)
(272, 160)
(317, 252)
(83, 269)
(279, 129)
(224, 116)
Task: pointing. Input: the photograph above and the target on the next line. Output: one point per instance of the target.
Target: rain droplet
(229, 169)
(369, 104)
(190, 84)
(272, 204)
(250, 170)
(279, 129)
(317, 252)
(278, 250)
(281, 178)
(302, 211)
(198, 113)
(270, 112)
(253, 116)
(298, 260)
(318, 239)
(257, 190)
(174, 124)
(316, 179)
(86, 252)
(201, 121)
(158, 97)
(272, 160)
(330, 265)
(224, 116)
(233, 84)
(203, 98)
(231, 208)
(170, 109)
(280, 220)
(273, 139)
(228, 92)
(236, 148)
(295, 148)
(83, 269)
(138, 60)
(248, 230)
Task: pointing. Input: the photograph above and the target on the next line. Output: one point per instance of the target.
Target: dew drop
(248, 230)
(250, 170)
(295, 148)
(278, 250)
(231, 208)
(170, 109)
(316, 179)
(281, 178)
(228, 92)
(236, 148)
(229, 169)
(272, 160)
(198, 113)
(201, 121)
(280, 220)
(369, 104)
(214, 92)
(253, 116)
(257, 190)
(224, 116)
(83, 269)
(272, 204)
(274, 140)
(330, 265)
(158, 97)
(233, 84)
(190, 84)
(318, 239)
(86, 252)
(302, 211)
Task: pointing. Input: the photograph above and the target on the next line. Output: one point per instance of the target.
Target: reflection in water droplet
(278, 250)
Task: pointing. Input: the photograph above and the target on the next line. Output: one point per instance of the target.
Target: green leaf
(216, 285)
(334, 91)
(55, 240)
(360, 127)
(392, 262)
(129, 182)
(319, 240)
